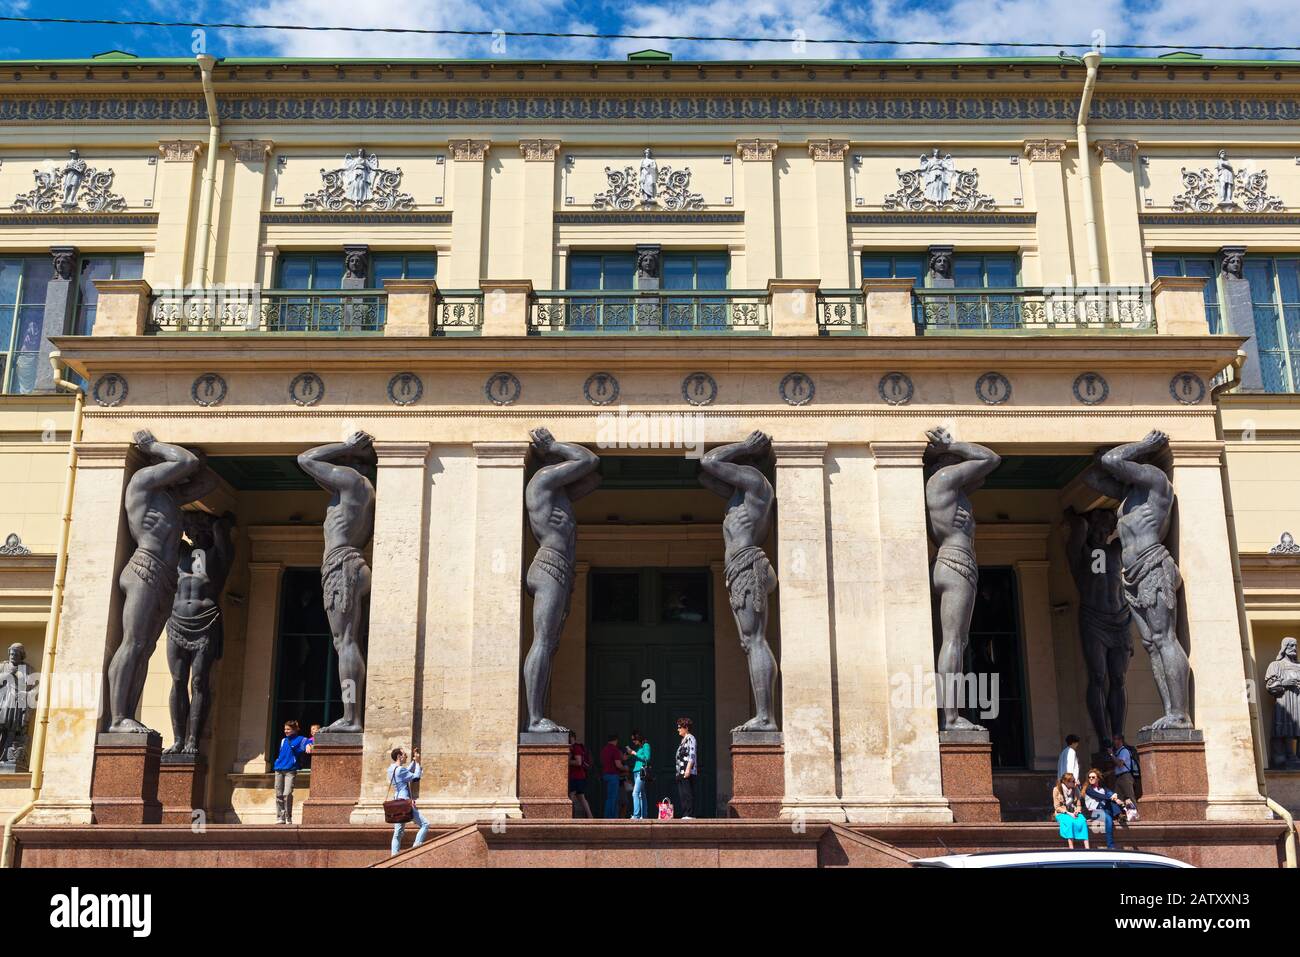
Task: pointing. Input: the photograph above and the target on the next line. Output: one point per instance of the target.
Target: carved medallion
(110, 390)
(896, 388)
(699, 388)
(797, 389)
(1091, 388)
(405, 388)
(993, 388)
(208, 390)
(601, 388)
(1187, 387)
(359, 184)
(502, 389)
(14, 547)
(307, 389)
(1286, 545)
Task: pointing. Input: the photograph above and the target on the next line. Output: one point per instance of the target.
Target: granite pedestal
(335, 779)
(757, 774)
(182, 787)
(966, 769)
(124, 783)
(544, 775)
(1174, 782)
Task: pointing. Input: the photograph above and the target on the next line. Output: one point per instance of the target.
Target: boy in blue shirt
(286, 769)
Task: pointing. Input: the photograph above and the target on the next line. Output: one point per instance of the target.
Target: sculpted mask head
(941, 263)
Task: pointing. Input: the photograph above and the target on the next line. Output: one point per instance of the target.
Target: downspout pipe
(206, 63)
(44, 690)
(1091, 60)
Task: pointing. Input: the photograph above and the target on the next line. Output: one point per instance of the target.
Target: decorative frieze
(68, 188)
(180, 151)
(360, 184)
(937, 184)
(650, 186)
(469, 151)
(539, 151)
(1044, 150)
(752, 151)
(1116, 151)
(828, 151)
(1225, 188)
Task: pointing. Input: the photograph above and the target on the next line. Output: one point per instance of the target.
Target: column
(495, 658)
(758, 176)
(808, 708)
(178, 181)
(909, 634)
(1179, 304)
(467, 190)
(1052, 209)
(832, 212)
(89, 631)
(1201, 545)
(60, 298)
(396, 617)
(1238, 315)
(538, 233)
(241, 231)
(1040, 661)
(1117, 170)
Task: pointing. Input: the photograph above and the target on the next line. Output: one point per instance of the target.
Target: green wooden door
(650, 662)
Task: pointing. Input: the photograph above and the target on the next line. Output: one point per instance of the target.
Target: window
(325, 270)
(1200, 266)
(23, 281)
(694, 271)
(902, 266)
(127, 266)
(969, 270)
(402, 266)
(306, 682)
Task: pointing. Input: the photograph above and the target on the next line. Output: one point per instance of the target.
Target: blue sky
(989, 22)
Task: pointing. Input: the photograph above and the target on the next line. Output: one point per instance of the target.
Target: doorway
(650, 662)
(996, 649)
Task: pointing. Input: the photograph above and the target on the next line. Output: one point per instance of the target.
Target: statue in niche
(154, 499)
(1105, 621)
(954, 470)
(344, 572)
(194, 630)
(359, 172)
(568, 473)
(732, 471)
(74, 173)
(649, 180)
(1227, 179)
(1282, 681)
(16, 700)
(939, 176)
(1151, 577)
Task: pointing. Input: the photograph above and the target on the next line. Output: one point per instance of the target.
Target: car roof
(1056, 857)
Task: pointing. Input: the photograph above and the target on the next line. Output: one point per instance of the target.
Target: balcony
(650, 311)
(334, 312)
(1066, 310)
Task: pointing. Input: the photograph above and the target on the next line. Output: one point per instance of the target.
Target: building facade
(652, 258)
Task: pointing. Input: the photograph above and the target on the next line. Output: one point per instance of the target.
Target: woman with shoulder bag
(401, 809)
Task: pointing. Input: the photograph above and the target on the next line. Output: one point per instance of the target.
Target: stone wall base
(757, 774)
(124, 784)
(335, 779)
(544, 776)
(966, 768)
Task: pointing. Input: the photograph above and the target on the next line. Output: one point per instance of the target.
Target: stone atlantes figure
(1151, 578)
(953, 471)
(1282, 681)
(344, 574)
(194, 630)
(1105, 621)
(16, 700)
(153, 502)
(731, 471)
(567, 474)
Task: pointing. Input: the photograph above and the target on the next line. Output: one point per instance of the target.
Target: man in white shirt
(1068, 762)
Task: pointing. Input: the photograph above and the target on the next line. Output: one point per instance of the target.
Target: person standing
(286, 769)
(1126, 769)
(611, 772)
(579, 765)
(1068, 762)
(640, 755)
(399, 778)
(688, 769)
(1067, 803)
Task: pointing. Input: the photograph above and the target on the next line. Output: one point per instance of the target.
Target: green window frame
(23, 284)
(93, 266)
(325, 270)
(1199, 266)
(615, 270)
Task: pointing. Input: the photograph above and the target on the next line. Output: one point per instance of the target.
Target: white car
(1061, 858)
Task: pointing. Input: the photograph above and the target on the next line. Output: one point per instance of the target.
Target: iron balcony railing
(1088, 309)
(650, 311)
(301, 311)
(841, 310)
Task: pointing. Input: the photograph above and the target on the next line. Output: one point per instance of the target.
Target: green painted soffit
(1178, 59)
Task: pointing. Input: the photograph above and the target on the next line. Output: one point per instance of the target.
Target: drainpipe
(1281, 812)
(44, 693)
(1090, 60)
(206, 63)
